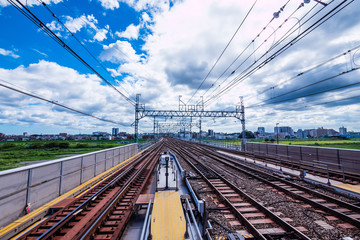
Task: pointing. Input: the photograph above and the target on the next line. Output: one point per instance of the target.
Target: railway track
(346, 211)
(332, 207)
(332, 173)
(102, 212)
(258, 220)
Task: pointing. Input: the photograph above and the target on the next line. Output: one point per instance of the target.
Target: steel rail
(334, 212)
(287, 227)
(96, 223)
(108, 183)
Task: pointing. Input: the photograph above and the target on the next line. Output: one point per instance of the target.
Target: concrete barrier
(40, 183)
(346, 159)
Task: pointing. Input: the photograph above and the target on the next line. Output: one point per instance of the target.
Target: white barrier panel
(40, 183)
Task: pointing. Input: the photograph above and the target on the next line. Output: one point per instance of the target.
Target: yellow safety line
(350, 187)
(34, 213)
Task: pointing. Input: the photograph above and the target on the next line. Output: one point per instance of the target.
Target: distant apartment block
(115, 131)
(261, 131)
(283, 131)
(343, 130)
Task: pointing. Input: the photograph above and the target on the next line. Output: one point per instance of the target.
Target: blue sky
(163, 49)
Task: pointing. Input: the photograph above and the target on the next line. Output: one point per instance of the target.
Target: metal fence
(343, 159)
(40, 183)
(144, 146)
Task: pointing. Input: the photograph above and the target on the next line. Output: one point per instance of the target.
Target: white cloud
(110, 4)
(131, 32)
(54, 26)
(138, 5)
(119, 52)
(29, 3)
(8, 53)
(83, 92)
(76, 24)
(84, 21)
(101, 34)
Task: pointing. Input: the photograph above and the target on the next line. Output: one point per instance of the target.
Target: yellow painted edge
(33, 214)
(350, 187)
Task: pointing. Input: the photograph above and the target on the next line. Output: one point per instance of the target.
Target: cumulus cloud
(119, 52)
(76, 24)
(29, 3)
(8, 53)
(138, 5)
(84, 92)
(131, 32)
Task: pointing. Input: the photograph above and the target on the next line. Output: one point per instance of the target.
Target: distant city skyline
(210, 131)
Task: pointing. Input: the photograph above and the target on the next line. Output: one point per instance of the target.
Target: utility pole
(154, 128)
(137, 117)
(277, 133)
(242, 120)
(200, 129)
(190, 128)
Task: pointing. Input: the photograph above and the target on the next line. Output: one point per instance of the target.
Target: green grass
(14, 154)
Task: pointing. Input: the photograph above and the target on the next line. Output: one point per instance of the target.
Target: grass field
(322, 142)
(17, 154)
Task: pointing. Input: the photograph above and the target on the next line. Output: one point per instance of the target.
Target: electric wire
(60, 104)
(310, 69)
(223, 51)
(244, 50)
(240, 79)
(313, 105)
(262, 44)
(26, 12)
(81, 43)
(116, 48)
(311, 28)
(311, 94)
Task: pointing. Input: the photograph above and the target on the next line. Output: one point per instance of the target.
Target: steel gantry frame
(190, 111)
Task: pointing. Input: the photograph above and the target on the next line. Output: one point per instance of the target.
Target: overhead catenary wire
(272, 47)
(25, 11)
(244, 50)
(283, 49)
(311, 94)
(303, 34)
(312, 105)
(223, 51)
(60, 104)
(308, 70)
(116, 48)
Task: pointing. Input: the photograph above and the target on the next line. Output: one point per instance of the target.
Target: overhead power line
(60, 104)
(222, 53)
(311, 94)
(312, 105)
(244, 50)
(80, 42)
(247, 72)
(301, 74)
(26, 12)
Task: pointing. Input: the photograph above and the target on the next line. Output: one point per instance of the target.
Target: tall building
(115, 131)
(210, 133)
(261, 131)
(301, 134)
(283, 131)
(343, 130)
